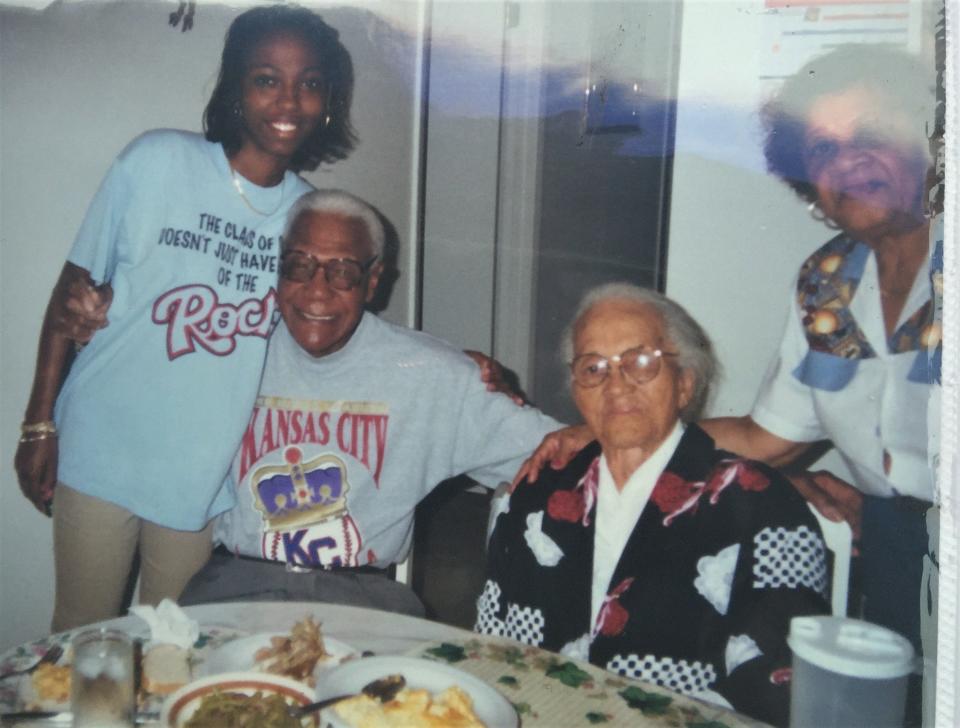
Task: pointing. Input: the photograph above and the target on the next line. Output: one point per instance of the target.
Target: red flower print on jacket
(752, 478)
(575, 505)
(781, 676)
(612, 617)
(565, 505)
(673, 495)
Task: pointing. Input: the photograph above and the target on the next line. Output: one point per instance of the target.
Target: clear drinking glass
(101, 694)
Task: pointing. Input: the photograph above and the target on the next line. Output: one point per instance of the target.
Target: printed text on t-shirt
(234, 245)
(195, 316)
(359, 430)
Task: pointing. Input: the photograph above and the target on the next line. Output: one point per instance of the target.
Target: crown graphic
(299, 493)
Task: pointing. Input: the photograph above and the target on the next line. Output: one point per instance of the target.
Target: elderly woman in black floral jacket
(653, 554)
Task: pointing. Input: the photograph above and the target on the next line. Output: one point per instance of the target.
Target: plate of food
(299, 654)
(47, 687)
(238, 700)
(434, 695)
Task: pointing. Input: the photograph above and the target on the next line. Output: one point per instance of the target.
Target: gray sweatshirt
(340, 449)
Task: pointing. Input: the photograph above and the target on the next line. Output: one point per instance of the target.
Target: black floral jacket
(724, 554)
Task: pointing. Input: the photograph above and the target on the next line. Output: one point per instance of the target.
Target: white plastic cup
(101, 693)
(847, 673)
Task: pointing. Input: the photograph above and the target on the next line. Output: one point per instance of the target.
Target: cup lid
(851, 647)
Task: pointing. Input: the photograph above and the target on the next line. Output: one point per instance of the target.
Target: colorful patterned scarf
(827, 283)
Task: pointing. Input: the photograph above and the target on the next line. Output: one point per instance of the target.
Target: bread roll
(165, 668)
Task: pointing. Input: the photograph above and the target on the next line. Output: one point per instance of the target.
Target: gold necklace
(239, 189)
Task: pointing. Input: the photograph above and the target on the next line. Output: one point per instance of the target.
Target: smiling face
(622, 414)
(321, 318)
(283, 96)
(865, 162)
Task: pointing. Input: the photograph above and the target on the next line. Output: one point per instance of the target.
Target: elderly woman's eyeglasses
(640, 364)
(344, 274)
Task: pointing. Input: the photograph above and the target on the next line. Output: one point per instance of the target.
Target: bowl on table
(180, 706)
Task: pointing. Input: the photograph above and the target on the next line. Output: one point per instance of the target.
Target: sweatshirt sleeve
(493, 435)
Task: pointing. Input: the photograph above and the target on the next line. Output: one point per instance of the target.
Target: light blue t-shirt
(154, 407)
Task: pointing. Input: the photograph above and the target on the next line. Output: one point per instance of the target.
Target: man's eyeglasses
(640, 364)
(344, 274)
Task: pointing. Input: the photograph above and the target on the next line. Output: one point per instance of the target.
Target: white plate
(494, 710)
(181, 705)
(238, 654)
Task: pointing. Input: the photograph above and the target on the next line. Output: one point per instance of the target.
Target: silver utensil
(51, 656)
(383, 689)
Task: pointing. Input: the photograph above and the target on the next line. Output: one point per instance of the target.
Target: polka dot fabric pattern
(685, 677)
(789, 558)
(488, 605)
(524, 624)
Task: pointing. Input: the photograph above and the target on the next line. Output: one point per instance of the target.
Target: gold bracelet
(36, 436)
(47, 426)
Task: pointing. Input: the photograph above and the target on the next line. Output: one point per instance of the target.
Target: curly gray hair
(694, 351)
(339, 202)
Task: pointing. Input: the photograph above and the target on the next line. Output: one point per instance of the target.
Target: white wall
(77, 83)
(737, 236)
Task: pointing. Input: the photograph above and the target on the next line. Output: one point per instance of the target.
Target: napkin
(168, 624)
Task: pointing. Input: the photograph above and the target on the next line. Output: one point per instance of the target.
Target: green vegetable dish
(236, 710)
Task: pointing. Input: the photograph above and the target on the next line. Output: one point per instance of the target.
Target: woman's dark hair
(902, 79)
(329, 142)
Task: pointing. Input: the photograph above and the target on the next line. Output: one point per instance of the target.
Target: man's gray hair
(340, 202)
(694, 350)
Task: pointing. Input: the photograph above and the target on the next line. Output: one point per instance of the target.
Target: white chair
(839, 540)
(498, 501)
(403, 570)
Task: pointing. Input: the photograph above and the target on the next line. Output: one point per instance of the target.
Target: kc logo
(194, 315)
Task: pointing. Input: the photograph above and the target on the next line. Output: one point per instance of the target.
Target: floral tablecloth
(547, 689)
(551, 690)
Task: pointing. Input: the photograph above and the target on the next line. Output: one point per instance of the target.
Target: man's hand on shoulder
(495, 376)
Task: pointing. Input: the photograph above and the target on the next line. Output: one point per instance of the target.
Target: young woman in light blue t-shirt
(129, 440)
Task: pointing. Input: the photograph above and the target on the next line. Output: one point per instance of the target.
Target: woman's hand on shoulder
(78, 307)
(556, 450)
(36, 466)
(836, 499)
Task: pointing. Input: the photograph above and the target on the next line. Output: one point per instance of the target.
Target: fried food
(295, 656)
(411, 708)
(51, 683)
(237, 710)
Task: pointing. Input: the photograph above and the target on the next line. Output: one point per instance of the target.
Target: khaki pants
(94, 543)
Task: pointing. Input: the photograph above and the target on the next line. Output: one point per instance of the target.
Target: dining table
(545, 688)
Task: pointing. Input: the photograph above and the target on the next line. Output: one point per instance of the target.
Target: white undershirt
(618, 512)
